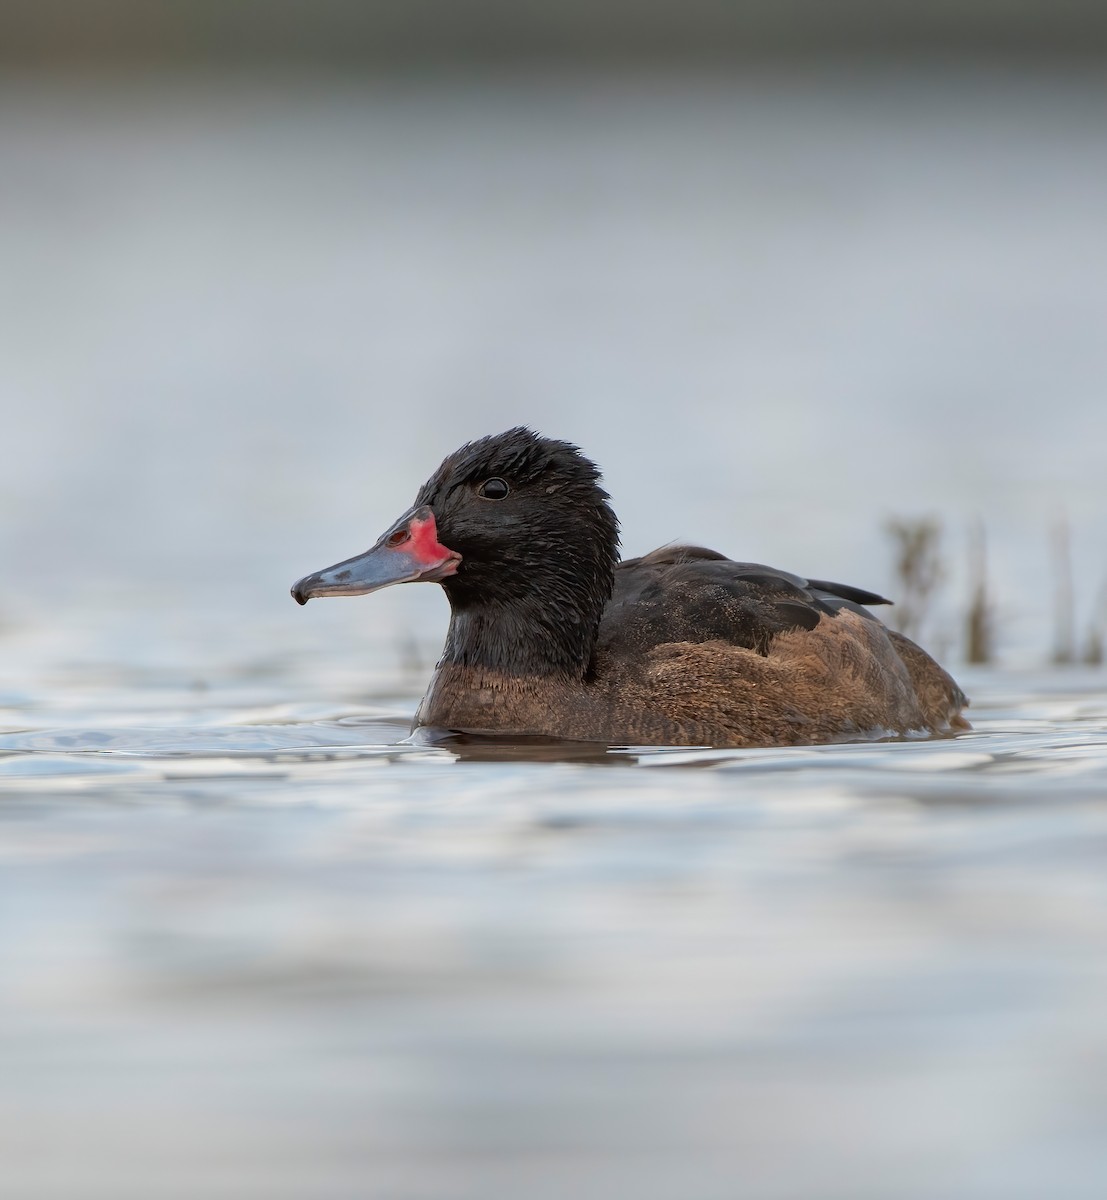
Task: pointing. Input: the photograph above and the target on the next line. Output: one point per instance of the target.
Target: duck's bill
(409, 552)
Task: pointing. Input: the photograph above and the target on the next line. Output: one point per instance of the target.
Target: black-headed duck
(551, 635)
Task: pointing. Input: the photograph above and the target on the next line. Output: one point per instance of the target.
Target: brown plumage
(551, 635)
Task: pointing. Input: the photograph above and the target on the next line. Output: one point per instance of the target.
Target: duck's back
(691, 594)
(695, 647)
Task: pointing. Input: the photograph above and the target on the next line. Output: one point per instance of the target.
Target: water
(257, 943)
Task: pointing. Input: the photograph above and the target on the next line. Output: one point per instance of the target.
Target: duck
(552, 636)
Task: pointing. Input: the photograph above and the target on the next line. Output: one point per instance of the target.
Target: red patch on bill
(425, 547)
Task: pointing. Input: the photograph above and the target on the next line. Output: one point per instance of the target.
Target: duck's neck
(546, 632)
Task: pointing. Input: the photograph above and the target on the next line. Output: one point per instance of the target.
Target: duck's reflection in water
(483, 747)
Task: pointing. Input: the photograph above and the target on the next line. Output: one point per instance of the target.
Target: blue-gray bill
(408, 552)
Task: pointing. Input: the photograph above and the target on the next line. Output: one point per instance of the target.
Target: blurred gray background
(387, 33)
(785, 270)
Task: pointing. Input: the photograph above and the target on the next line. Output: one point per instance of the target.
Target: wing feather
(693, 594)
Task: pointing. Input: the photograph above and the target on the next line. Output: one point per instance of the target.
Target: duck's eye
(493, 489)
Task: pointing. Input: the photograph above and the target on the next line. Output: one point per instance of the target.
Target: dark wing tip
(856, 594)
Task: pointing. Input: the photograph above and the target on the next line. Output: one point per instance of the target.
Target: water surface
(263, 946)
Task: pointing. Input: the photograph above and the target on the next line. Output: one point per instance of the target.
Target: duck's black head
(517, 529)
